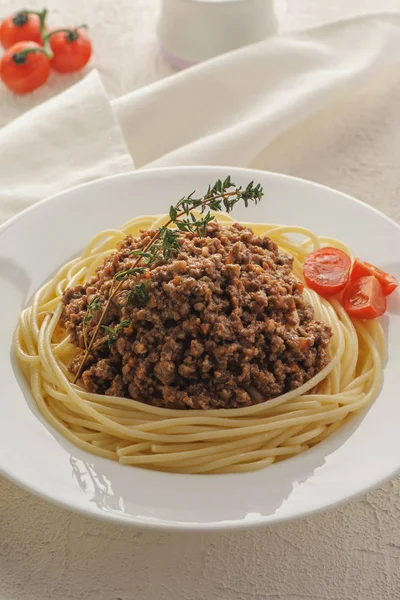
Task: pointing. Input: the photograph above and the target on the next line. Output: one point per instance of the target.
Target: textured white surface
(352, 553)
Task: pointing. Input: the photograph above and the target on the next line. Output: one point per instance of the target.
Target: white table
(47, 553)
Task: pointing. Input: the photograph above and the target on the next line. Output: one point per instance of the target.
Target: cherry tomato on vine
(72, 49)
(24, 67)
(22, 26)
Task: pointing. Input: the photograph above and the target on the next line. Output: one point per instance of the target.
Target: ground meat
(224, 316)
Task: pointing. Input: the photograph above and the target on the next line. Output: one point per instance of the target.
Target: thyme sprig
(114, 332)
(122, 275)
(222, 196)
(139, 292)
(92, 307)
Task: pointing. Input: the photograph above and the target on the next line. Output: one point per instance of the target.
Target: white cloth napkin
(323, 104)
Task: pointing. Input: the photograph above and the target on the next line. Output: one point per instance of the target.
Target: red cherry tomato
(24, 72)
(327, 271)
(361, 269)
(72, 50)
(364, 298)
(20, 27)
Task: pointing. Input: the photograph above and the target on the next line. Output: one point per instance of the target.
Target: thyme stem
(165, 241)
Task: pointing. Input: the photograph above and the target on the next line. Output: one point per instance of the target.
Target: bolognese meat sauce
(223, 317)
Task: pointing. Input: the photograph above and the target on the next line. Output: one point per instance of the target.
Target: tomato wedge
(362, 269)
(364, 298)
(327, 271)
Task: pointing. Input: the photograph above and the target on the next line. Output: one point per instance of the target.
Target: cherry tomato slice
(327, 271)
(364, 298)
(361, 269)
(25, 75)
(20, 27)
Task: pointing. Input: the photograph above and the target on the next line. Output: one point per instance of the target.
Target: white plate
(356, 458)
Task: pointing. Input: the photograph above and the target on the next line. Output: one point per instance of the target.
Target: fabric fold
(72, 138)
(279, 105)
(227, 110)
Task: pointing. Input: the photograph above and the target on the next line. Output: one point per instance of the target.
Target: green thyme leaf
(114, 332)
(121, 275)
(92, 307)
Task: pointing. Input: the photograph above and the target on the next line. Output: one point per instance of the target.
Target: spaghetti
(197, 441)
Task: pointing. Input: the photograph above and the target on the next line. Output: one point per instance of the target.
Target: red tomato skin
(70, 56)
(361, 269)
(327, 271)
(11, 34)
(364, 298)
(28, 76)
